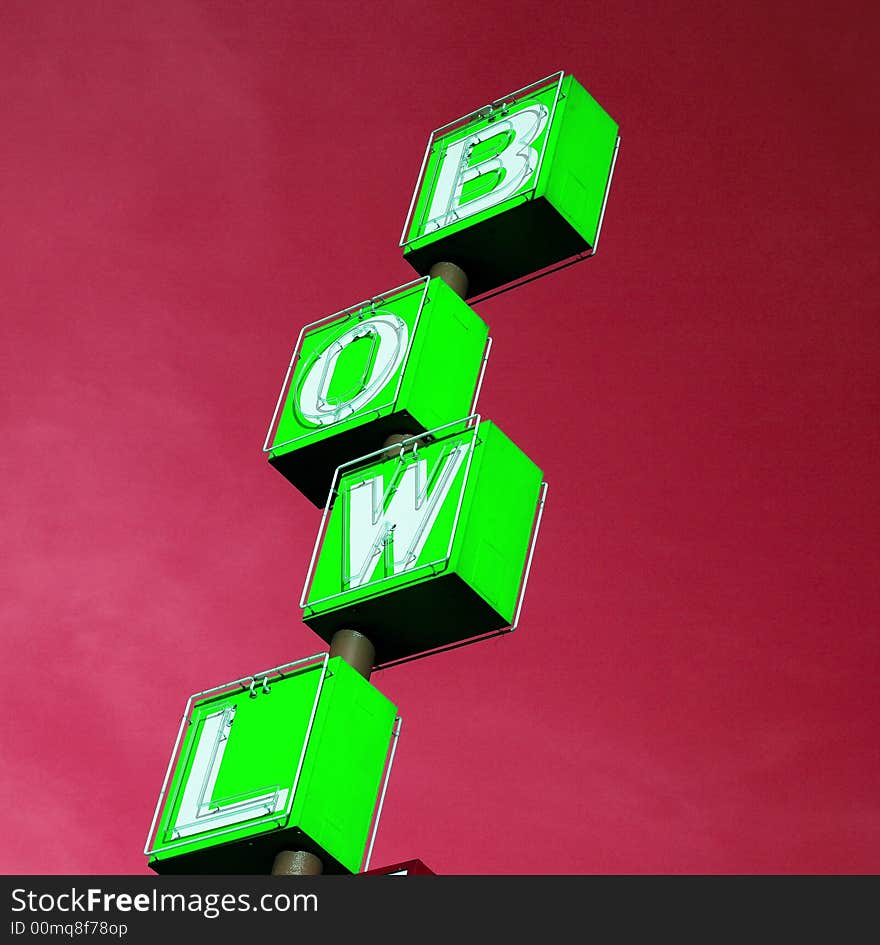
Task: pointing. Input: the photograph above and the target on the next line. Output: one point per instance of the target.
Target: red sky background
(183, 185)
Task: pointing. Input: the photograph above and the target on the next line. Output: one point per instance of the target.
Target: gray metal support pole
(355, 649)
(297, 863)
(392, 440)
(454, 276)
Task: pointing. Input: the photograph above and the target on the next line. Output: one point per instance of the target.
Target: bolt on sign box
(407, 361)
(289, 758)
(515, 187)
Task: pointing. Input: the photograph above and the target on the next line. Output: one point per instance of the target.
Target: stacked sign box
(290, 758)
(407, 360)
(428, 547)
(430, 513)
(514, 187)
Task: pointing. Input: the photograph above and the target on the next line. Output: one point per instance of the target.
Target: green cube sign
(427, 547)
(404, 362)
(515, 187)
(288, 759)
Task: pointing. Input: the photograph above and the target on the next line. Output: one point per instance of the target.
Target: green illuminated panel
(516, 187)
(296, 765)
(404, 363)
(427, 549)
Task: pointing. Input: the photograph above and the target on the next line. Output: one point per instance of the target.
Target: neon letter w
(392, 525)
